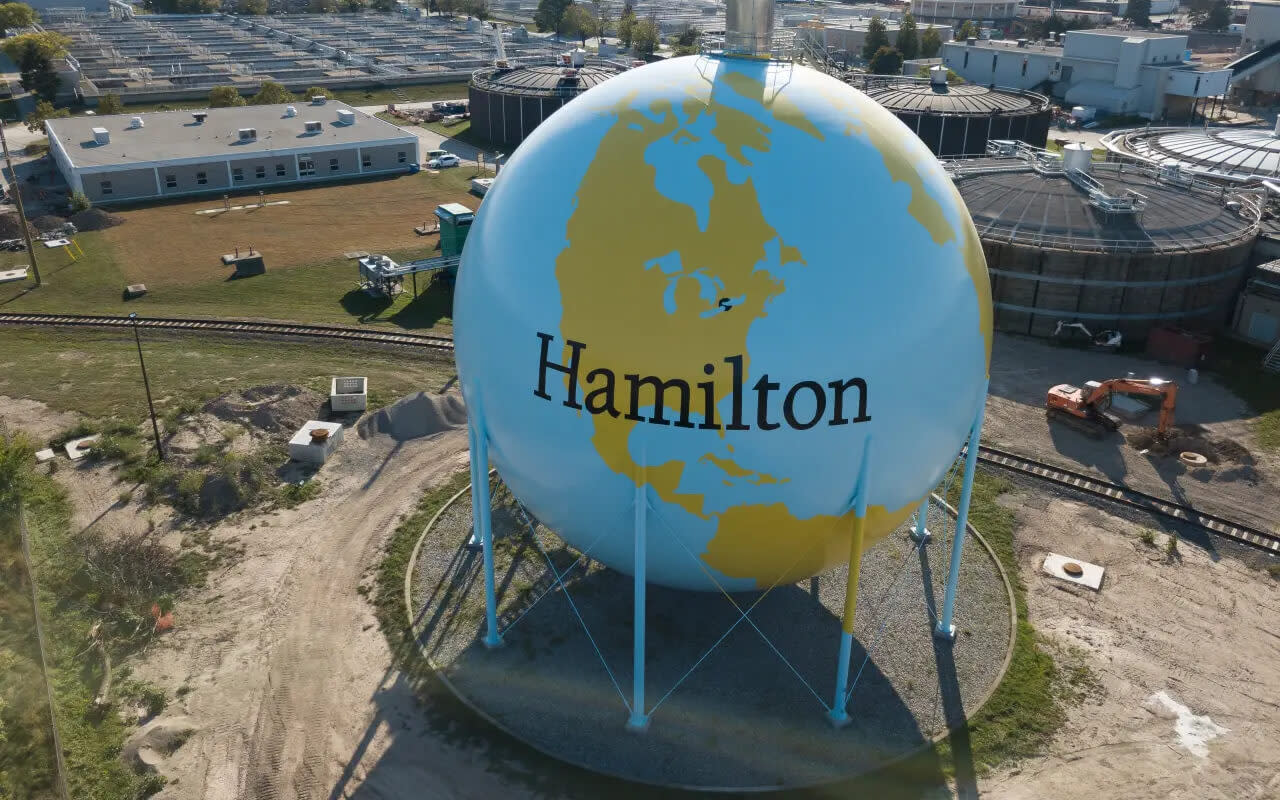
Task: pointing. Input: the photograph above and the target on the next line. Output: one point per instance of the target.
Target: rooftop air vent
(290, 111)
(971, 41)
(136, 122)
(578, 56)
(312, 127)
(318, 99)
(346, 116)
(199, 116)
(248, 134)
(566, 60)
(101, 136)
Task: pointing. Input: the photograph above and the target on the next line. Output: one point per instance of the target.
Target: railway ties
(1133, 498)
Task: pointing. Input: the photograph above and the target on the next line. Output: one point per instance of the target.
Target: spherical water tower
(732, 299)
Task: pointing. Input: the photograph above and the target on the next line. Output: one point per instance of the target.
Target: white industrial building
(1117, 71)
(127, 158)
(1256, 74)
(850, 35)
(988, 13)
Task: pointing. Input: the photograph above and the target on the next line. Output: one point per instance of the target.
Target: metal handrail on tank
(871, 82)
(483, 78)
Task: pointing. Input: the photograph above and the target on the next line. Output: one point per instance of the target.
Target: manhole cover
(319, 434)
(1192, 459)
(1073, 569)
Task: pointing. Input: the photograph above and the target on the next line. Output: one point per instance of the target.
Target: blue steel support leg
(482, 527)
(921, 533)
(838, 715)
(945, 629)
(639, 720)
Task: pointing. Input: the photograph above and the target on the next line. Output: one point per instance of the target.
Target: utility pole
(155, 427)
(22, 214)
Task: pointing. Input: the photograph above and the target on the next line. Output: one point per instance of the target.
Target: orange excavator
(1086, 408)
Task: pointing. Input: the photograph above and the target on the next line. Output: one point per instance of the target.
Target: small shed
(1257, 317)
(455, 223)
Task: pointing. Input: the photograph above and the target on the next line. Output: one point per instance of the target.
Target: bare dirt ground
(1244, 484)
(1199, 628)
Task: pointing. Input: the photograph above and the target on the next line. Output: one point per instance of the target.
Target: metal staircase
(1271, 361)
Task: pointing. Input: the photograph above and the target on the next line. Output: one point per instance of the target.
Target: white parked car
(446, 160)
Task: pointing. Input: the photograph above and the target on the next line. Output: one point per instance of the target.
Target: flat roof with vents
(168, 136)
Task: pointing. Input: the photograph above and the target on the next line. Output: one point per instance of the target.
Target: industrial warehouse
(472, 426)
(125, 158)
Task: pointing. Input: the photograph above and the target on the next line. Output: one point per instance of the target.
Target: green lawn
(1239, 367)
(95, 373)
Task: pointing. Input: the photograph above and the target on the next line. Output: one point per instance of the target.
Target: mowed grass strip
(176, 253)
(95, 372)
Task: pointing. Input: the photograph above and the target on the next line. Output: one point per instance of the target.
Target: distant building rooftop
(167, 136)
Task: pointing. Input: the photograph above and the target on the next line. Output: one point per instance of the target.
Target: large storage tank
(1111, 245)
(508, 103)
(1234, 154)
(960, 120)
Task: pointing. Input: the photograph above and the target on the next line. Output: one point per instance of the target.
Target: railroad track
(1079, 481)
(1098, 487)
(230, 326)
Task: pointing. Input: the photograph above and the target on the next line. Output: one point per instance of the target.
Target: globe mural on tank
(723, 323)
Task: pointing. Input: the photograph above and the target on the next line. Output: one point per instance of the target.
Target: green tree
(351, 6)
(952, 78)
(908, 42)
(604, 22)
(645, 36)
(877, 37)
(627, 28)
(312, 91)
(383, 5)
(1198, 12)
(322, 6)
(224, 96)
(475, 8)
(930, 43)
(271, 93)
(578, 22)
(686, 44)
(886, 61)
(109, 103)
(550, 13)
(1139, 12)
(1218, 18)
(251, 7)
(44, 110)
(79, 202)
(35, 54)
(969, 30)
(17, 15)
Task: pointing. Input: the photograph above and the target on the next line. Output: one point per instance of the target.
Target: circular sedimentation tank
(1230, 154)
(658, 305)
(506, 104)
(960, 120)
(1120, 246)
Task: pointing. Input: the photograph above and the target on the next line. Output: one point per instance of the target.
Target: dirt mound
(95, 219)
(11, 227)
(152, 743)
(417, 415)
(1194, 438)
(276, 407)
(48, 222)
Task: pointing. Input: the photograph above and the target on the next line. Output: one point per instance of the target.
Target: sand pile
(417, 415)
(269, 408)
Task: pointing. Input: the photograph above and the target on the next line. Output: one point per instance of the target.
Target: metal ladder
(1271, 361)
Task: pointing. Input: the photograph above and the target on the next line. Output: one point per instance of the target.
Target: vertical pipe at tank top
(482, 522)
(639, 720)
(945, 629)
(838, 715)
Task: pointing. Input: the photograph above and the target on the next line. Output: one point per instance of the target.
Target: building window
(966, 58)
(993, 62)
(333, 165)
(1024, 67)
(366, 160)
(280, 172)
(260, 172)
(306, 167)
(171, 181)
(105, 186)
(202, 178)
(402, 157)
(237, 174)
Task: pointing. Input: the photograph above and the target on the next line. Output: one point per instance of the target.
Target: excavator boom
(1086, 408)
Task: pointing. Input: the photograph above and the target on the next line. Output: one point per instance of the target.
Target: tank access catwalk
(1113, 245)
(1221, 153)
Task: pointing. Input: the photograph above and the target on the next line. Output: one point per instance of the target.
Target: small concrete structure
(306, 447)
(79, 448)
(1090, 575)
(9, 275)
(246, 264)
(44, 455)
(349, 394)
(134, 290)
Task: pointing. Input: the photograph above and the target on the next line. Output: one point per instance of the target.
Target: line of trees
(1210, 15)
(885, 58)
(269, 93)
